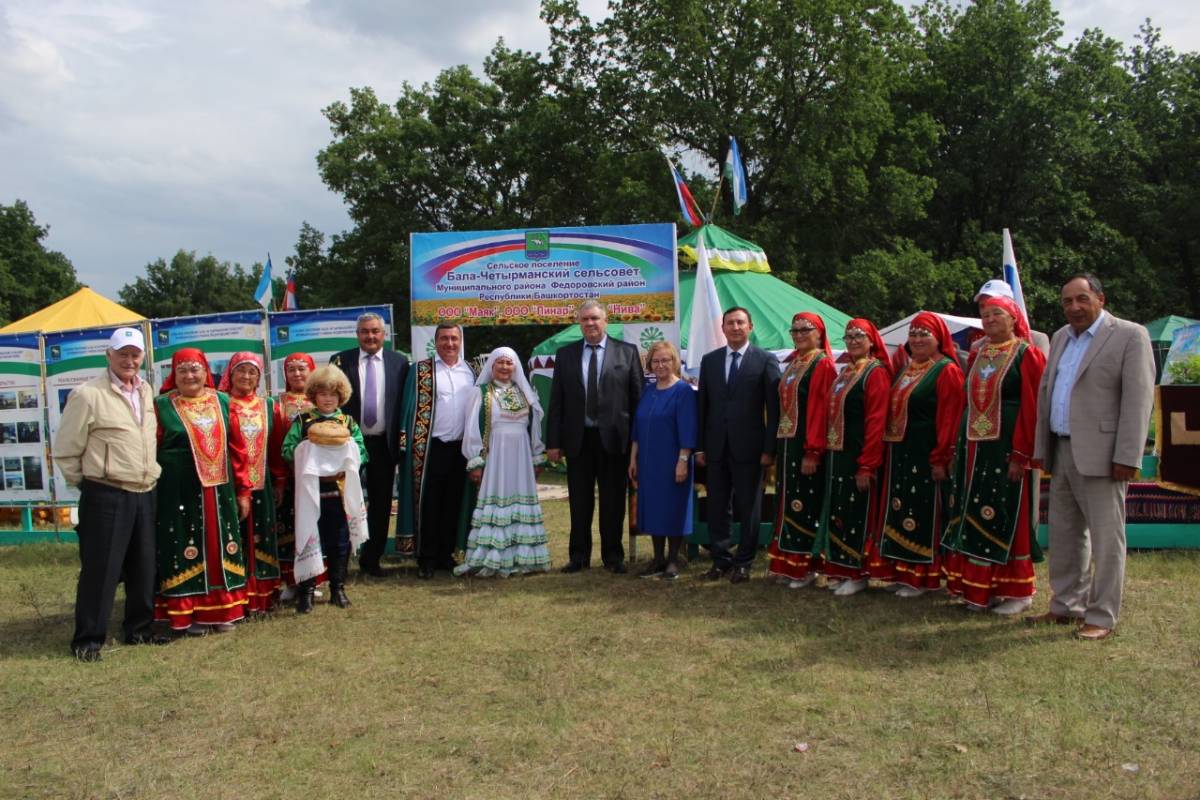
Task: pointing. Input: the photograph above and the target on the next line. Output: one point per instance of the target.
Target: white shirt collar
(1095, 326)
(740, 351)
(363, 355)
(602, 344)
(460, 363)
(116, 381)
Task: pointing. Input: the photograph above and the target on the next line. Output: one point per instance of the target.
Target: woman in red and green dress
(255, 421)
(800, 473)
(850, 509)
(990, 542)
(290, 404)
(201, 561)
(924, 414)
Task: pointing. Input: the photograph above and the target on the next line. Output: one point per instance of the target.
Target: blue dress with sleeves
(666, 421)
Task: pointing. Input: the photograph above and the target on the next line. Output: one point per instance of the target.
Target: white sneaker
(802, 582)
(909, 591)
(1015, 605)
(848, 588)
(833, 583)
(318, 594)
(223, 627)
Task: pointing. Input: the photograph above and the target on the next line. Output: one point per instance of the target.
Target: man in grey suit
(597, 384)
(739, 414)
(1093, 414)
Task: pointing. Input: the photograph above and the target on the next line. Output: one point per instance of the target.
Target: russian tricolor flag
(687, 203)
(289, 294)
(1011, 276)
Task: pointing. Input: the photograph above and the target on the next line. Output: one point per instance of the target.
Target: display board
(320, 333)
(23, 438)
(218, 335)
(539, 276)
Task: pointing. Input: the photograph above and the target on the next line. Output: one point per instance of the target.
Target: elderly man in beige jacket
(106, 445)
(1093, 414)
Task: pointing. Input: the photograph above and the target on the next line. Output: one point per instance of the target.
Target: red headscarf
(242, 357)
(182, 355)
(1020, 326)
(303, 358)
(819, 324)
(934, 323)
(878, 347)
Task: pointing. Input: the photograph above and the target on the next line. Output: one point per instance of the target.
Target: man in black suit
(597, 383)
(377, 379)
(739, 411)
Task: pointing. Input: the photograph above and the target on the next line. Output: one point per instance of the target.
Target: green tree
(190, 285)
(31, 277)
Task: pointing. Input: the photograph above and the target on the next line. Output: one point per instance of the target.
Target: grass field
(594, 685)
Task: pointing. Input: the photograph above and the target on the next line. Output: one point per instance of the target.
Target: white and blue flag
(262, 293)
(736, 173)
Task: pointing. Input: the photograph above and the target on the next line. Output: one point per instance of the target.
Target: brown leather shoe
(1093, 633)
(1050, 618)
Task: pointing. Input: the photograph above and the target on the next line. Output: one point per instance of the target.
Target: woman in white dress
(502, 443)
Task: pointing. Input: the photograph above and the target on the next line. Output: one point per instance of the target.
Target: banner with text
(23, 445)
(320, 333)
(539, 276)
(218, 335)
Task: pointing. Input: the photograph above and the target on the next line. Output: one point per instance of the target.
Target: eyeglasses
(854, 337)
(662, 362)
(809, 329)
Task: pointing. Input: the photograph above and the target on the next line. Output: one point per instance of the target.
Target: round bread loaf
(328, 433)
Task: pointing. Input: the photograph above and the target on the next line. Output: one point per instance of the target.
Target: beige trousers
(1087, 542)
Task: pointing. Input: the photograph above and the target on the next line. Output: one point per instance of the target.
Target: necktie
(733, 370)
(370, 413)
(592, 402)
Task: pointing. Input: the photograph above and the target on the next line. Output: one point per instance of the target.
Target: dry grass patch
(594, 685)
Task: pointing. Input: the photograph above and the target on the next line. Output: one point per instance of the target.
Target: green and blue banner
(218, 335)
(320, 333)
(23, 437)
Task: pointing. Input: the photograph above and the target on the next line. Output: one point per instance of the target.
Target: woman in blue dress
(660, 461)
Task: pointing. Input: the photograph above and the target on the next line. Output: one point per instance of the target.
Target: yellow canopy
(84, 309)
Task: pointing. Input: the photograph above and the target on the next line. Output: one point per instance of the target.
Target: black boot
(337, 581)
(304, 596)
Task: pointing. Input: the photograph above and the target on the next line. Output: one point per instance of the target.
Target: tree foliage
(31, 277)
(190, 285)
(885, 149)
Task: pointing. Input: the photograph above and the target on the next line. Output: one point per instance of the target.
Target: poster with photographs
(219, 336)
(72, 359)
(23, 442)
(319, 333)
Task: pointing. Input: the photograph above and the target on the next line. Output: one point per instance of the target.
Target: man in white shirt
(434, 477)
(106, 445)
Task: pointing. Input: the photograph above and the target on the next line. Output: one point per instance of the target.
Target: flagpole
(717, 195)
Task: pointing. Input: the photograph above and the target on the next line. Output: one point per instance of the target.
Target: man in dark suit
(739, 411)
(377, 379)
(597, 383)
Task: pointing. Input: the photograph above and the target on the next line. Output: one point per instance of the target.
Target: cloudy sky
(135, 129)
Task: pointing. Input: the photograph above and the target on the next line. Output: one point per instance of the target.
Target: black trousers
(441, 502)
(116, 534)
(741, 483)
(592, 467)
(380, 484)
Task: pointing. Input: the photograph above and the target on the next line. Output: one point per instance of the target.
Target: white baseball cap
(995, 288)
(127, 337)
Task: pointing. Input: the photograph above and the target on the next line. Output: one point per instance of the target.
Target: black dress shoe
(148, 638)
(740, 575)
(618, 568)
(424, 572)
(572, 567)
(88, 652)
(713, 574)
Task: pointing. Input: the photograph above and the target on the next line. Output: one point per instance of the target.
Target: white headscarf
(519, 380)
